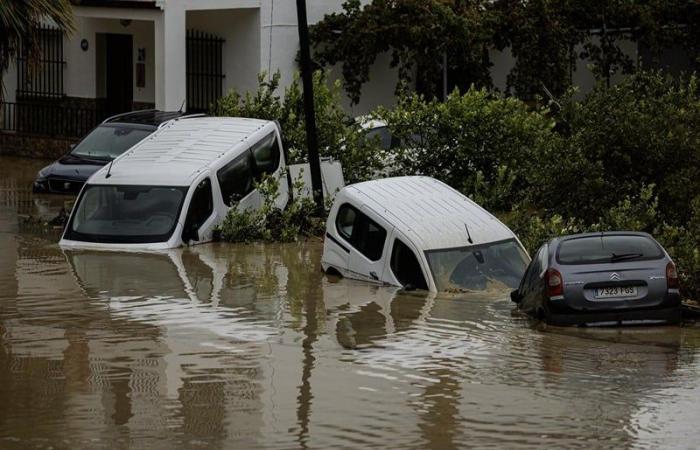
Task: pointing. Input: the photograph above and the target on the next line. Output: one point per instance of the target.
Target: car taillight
(554, 283)
(672, 276)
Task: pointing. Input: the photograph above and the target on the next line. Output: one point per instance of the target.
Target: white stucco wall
(241, 52)
(280, 44)
(80, 75)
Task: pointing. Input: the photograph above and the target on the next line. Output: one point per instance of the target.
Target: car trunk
(615, 286)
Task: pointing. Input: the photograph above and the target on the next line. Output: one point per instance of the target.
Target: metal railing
(48, 118)
(45, 78)
(205, 70)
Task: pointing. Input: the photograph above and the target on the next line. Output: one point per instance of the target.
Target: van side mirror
(515, 296)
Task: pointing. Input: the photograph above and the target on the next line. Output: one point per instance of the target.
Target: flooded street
(251, 346)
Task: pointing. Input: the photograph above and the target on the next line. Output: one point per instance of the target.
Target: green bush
(642, 131)
(339, 136)
(477, 142)
(269, 223)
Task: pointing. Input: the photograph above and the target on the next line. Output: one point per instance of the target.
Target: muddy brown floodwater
(251, 346)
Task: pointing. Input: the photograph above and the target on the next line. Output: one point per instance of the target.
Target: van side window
(266, 153)
(236, 179)
(201, 207)
(361, 232)
(405, 266)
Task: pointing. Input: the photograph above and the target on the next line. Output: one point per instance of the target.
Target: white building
(128, 54)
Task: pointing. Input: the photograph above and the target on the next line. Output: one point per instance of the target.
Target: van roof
(179, 151)
(429, 212)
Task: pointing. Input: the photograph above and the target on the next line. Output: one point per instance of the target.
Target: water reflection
(252, 346)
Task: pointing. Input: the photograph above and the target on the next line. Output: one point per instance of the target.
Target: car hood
(73, 167)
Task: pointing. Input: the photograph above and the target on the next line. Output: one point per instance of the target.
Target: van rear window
(608, 249)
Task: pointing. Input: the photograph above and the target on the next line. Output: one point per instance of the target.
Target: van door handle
(374, 276)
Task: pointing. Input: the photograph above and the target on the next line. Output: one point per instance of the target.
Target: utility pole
(309, 113)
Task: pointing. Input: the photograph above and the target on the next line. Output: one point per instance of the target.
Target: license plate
(616, 292)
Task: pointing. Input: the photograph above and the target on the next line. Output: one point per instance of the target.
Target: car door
(531, 283)
(404, 266)
(200, 218)
(365, 234)
(237, 181)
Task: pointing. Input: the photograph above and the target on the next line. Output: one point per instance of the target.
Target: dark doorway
(119, 73)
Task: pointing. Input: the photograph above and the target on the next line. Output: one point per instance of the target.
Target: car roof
(182, 149)
(428, 212)
(151, 117)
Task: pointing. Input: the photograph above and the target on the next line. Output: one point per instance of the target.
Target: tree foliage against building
(546, 37)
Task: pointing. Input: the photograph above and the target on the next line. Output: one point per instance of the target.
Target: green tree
(19, 23)
(418, 34)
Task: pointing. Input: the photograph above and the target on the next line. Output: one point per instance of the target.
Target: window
(361, 232)
(126, 214)
(478, 266)
(46, 79)
(236, 179)
(267, 155)
(405, 266)
(603, 248)
(346, 221)
(201, 207)
(110, 140)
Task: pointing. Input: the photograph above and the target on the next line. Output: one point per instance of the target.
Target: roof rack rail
(186, 116)
(116, 116)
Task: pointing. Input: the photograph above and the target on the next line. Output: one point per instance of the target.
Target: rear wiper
(624, 256)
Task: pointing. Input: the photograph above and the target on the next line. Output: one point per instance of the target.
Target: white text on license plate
(616, 292)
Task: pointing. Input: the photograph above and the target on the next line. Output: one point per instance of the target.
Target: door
(119, 73)
(365, 236)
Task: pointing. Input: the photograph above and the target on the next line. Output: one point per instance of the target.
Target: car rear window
(608, 249)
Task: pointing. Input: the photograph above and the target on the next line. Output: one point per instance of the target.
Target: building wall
(280, 44)
(80, 76)
(241, 53)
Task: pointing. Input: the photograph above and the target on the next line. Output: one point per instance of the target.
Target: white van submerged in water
(177, 185)
(419, 233)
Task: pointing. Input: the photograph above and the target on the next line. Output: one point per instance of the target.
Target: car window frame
(246, 155)
(187, 225)
(352, 240)
(398, 240)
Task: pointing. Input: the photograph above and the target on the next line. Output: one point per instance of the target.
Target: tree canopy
(545, 36)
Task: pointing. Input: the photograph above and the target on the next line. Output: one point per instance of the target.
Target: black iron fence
(205, 70)
(49, 119)
(44, 79)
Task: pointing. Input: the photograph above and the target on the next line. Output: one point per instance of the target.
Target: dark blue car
(104, 143)
(601, 279)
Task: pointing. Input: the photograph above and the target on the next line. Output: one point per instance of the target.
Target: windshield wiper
(624, 256)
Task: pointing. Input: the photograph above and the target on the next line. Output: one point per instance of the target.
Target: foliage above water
(269, 223)
(625, 157)
(339, 136)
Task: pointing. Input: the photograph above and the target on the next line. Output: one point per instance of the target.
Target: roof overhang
(132, 4)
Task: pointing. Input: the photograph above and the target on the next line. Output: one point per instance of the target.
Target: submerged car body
(601, 279)
(104, 143)
(418, 232)
(177, 185)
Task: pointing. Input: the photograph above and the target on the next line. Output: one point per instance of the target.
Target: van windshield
(126, 214)
(478, 267)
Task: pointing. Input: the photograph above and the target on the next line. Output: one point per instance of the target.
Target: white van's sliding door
(236, 181)
(365, 234)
